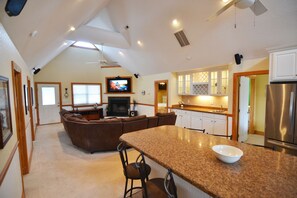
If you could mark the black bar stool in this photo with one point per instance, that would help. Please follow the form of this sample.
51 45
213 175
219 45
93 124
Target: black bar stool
130 170
156 187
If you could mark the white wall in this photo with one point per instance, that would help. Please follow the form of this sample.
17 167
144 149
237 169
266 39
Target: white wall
12 184
260 102
72 66
147 84
9 53
246 65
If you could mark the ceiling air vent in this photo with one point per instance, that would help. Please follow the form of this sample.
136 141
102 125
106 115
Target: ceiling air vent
181 38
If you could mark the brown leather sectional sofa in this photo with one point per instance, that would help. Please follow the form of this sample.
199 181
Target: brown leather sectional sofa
103 134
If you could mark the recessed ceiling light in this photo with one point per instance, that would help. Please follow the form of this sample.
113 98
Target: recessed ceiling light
225 1
175 23
72 28
139 43
121 53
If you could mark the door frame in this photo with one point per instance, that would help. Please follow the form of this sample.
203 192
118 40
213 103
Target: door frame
156 85
37 100
235 101
31 109
20 116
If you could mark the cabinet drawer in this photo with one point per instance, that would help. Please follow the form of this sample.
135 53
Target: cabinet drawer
196 114
219 117
208 115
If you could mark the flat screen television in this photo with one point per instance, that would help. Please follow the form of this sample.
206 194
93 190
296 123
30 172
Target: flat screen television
119 85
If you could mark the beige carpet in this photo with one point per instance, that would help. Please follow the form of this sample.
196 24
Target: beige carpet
59 169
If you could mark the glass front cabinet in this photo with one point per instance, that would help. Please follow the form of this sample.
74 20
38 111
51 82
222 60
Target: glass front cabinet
184 84
203 83
219 82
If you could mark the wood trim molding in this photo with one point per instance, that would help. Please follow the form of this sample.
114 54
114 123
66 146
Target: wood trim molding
36 97
30 109
8 162
143 104
236 77
156 85
111 66
113 77
20 118
31 156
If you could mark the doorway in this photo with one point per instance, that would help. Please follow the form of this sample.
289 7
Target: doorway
30 103
48 101
249 99
20 116
161 96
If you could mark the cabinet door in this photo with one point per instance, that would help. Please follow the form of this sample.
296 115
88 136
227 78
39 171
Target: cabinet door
284 65
178 121
207 124
224 82
186 119
219 127
196 122
214 83
180 84
187 84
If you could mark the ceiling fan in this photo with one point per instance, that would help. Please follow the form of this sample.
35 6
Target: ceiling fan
102 60
255 5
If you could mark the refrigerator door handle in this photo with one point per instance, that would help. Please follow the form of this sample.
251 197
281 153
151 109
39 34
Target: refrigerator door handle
292 107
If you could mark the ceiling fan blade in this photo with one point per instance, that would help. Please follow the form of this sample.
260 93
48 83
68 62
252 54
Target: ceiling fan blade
258 8
223 9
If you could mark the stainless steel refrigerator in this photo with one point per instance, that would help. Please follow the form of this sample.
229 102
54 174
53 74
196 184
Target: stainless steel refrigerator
281 119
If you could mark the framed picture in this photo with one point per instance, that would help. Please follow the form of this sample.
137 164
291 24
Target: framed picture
5 112
26 99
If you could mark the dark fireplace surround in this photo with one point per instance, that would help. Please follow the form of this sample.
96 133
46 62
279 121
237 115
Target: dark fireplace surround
118 106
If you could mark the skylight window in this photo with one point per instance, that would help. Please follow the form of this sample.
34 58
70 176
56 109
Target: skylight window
84 45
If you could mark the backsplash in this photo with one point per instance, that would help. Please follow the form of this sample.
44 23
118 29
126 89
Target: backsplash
207 101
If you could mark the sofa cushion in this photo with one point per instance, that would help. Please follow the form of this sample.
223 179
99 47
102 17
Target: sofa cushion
108 120
133 118
63 112
77 119
165 114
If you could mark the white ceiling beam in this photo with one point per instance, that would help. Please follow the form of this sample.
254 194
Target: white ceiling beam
99 36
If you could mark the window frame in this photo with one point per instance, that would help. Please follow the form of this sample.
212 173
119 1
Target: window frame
87 105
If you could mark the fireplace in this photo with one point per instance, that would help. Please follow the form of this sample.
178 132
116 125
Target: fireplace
118 106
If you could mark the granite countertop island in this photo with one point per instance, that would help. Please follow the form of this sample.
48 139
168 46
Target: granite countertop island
259 173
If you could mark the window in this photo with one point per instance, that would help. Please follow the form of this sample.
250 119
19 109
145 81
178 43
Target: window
48 96
84 94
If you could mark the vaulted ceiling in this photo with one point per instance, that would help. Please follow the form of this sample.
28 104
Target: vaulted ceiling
42 31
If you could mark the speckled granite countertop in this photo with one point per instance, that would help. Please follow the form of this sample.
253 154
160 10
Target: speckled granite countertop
203 109
259 173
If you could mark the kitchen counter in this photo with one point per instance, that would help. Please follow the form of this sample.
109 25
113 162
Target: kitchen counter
259 173
203 109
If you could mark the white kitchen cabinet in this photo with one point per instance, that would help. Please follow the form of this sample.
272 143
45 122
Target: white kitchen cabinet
219 82
283 65
214 124
184 84
196 120
183 118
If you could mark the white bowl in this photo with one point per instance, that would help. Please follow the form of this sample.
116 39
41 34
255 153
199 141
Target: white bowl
226 153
